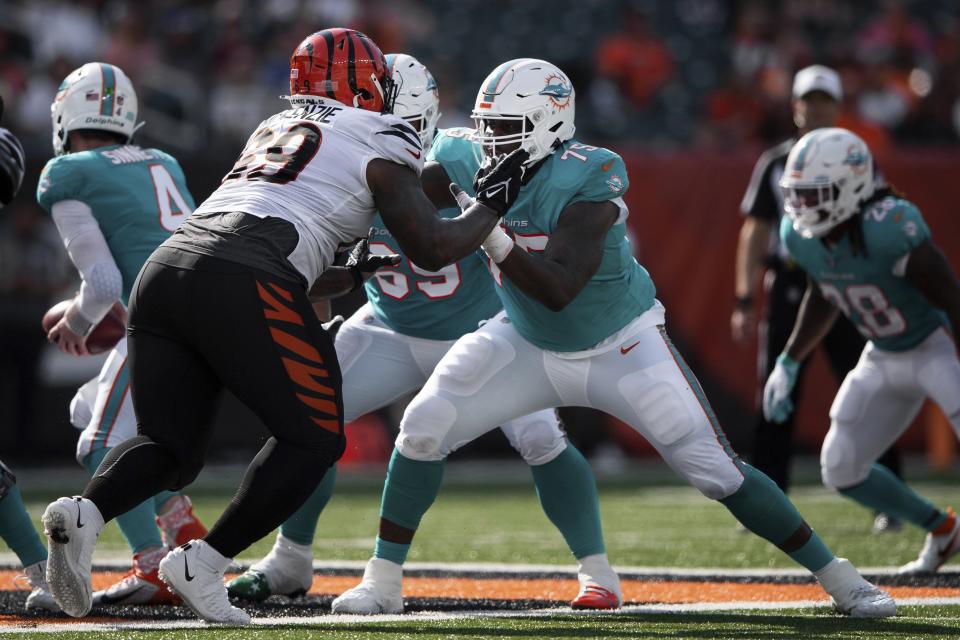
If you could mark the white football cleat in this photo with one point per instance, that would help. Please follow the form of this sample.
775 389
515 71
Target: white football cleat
599 584
195 573
378 592
40 598
72 526
287 571
852 595
940 546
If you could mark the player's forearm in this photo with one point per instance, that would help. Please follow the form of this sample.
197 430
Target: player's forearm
546 281
816 317
332 283
102 282
446 241
751 250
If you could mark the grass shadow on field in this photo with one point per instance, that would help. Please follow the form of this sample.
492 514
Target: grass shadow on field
714 626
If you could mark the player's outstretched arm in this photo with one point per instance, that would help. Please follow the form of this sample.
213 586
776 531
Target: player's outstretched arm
427 240
929 271
814 320
436 184
571 257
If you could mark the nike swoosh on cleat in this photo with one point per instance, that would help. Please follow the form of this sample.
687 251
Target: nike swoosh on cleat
944 555
105 599
80 525
626 350
186 570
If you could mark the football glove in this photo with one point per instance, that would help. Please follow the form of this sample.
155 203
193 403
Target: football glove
497 182
777 405
362 264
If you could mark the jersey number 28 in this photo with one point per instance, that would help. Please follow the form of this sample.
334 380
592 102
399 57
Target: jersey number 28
877 318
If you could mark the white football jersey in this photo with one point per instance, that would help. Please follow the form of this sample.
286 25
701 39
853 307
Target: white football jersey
308 165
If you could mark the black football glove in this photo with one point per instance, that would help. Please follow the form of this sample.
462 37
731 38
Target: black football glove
497 182
363 264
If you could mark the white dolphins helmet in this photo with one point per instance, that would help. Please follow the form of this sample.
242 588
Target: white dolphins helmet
417 99
534 93
828 175
95 96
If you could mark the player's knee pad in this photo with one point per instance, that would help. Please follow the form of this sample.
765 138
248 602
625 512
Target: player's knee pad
705 464
81 406
471 363
425 426
663 402
7 480
840 465
537 437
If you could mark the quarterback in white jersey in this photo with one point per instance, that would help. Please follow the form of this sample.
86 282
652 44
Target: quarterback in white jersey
223 304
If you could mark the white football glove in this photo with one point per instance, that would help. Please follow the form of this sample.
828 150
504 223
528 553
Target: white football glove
777 405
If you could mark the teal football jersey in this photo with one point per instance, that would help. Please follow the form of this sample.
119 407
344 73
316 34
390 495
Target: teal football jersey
137 196
617 293
887 309
434 305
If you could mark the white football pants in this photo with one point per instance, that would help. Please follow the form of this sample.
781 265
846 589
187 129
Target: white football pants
102 407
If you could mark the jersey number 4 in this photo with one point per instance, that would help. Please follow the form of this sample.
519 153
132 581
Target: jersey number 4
277 156
877 318
171 204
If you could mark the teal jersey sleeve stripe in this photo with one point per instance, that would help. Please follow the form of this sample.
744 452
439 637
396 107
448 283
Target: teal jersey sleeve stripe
108 90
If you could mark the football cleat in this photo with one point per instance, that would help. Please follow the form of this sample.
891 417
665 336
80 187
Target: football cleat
177 524
286 571
40 598
599 584
941 544
195 573
141 585
72 526
378 592
851 594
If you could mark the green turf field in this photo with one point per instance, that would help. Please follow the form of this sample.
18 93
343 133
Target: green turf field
645 524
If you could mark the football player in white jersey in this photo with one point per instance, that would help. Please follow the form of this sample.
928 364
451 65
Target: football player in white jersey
224 304
390 346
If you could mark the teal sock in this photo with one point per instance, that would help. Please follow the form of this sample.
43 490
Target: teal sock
138 525
568 495
17 529
392 551
301 527
410 489
161 499
883 491
764 509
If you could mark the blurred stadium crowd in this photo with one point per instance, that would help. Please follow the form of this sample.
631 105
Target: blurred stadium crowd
655 76
700 73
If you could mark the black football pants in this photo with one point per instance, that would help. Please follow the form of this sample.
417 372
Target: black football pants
221 325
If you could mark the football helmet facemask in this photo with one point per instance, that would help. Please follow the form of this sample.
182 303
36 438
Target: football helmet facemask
417 99
95 96
534 102
828 176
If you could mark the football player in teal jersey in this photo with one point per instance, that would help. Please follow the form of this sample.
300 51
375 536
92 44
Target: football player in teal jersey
580 327
869 255
16 527
113 203
390 346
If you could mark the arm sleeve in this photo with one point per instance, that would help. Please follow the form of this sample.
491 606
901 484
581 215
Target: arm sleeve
102 282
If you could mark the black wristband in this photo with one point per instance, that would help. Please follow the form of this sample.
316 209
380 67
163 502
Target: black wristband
357 278
744 302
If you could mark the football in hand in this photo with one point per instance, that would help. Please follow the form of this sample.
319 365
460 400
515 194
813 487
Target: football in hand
104 336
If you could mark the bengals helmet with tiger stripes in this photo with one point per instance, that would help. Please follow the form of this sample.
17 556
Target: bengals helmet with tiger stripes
343 65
